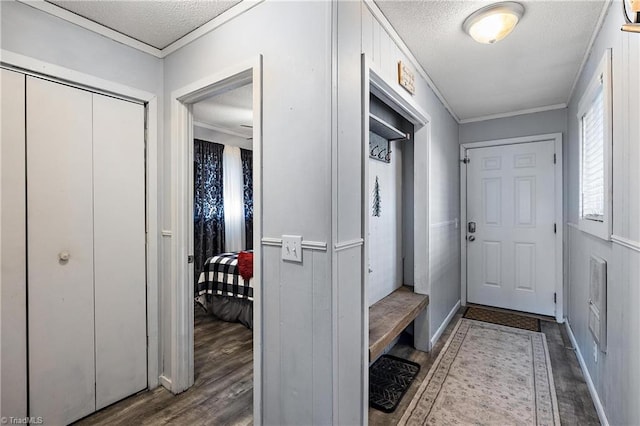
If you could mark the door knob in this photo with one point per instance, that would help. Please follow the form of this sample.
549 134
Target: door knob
64 256
471 238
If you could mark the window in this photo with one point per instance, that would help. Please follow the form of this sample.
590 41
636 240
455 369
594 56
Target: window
594 121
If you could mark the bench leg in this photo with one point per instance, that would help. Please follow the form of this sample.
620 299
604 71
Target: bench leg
421 332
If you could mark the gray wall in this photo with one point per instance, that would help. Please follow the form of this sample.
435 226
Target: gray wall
616 374
295 41
554 121
30 32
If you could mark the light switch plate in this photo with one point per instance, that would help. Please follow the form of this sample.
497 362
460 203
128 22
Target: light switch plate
292 248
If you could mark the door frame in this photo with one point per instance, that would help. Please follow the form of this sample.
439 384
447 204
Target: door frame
59 74
181 330
558 209
373 82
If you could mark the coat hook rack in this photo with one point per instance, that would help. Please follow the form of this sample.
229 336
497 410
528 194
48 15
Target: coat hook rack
632 23
379 148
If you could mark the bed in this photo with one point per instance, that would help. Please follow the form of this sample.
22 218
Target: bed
224 292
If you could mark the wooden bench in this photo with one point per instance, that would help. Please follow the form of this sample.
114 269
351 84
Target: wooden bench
389 316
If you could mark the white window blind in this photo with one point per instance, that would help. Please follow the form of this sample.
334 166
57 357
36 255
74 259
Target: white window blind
593 139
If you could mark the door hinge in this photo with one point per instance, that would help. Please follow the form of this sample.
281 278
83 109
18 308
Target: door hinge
555 228
466 160
555 298
554 159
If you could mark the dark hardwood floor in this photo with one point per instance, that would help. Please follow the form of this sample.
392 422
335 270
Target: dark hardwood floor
574 401
221 395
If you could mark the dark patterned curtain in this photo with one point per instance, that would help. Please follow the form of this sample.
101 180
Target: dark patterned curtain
247 178
208 206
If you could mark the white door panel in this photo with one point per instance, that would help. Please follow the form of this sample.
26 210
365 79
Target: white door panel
60 219
119 241
511 199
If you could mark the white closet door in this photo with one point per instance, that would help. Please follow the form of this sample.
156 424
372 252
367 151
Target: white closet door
13 392
119 214
60 222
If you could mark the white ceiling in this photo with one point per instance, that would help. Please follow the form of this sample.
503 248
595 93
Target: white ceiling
153 22
534 67
227 114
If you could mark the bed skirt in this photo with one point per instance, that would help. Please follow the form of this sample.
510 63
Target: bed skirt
231 309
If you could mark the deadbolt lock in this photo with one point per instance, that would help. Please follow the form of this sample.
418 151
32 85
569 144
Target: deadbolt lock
471 226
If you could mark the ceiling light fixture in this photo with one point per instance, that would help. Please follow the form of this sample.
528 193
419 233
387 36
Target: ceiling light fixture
494 22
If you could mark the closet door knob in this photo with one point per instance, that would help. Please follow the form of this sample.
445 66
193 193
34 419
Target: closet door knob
64 256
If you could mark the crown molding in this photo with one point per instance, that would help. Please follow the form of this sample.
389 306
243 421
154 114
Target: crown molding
587 52
513 113
223 18
386 25
119 37
90 25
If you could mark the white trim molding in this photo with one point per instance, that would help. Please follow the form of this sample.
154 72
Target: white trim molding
587 52
592 388
600 80
228 15
348 244
558 216
119 37
445 323
625 242
616 239
36 67
90 25
180 334
165 382
314 245
513 113
306 244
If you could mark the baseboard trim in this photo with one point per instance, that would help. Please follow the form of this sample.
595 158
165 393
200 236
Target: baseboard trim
444 324
165 382
592 388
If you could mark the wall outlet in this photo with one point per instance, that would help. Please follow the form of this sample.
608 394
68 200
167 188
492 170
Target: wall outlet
292 248
595 352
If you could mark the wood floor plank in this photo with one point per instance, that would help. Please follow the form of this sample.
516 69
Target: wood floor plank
222 393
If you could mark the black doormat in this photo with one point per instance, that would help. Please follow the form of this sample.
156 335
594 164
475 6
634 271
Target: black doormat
502 318
389 379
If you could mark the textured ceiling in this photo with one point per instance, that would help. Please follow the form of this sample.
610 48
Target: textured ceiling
156 23
535 66
231 111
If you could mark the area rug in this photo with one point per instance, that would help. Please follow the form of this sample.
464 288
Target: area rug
389 379
502 318
487 374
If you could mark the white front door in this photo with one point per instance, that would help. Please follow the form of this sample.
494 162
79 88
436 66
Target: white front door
511 252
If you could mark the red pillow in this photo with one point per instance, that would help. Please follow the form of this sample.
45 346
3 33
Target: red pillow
245 264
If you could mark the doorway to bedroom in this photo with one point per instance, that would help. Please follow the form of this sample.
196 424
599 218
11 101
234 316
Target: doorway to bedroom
223 252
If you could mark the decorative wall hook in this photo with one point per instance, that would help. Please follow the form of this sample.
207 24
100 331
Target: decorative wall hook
631 12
